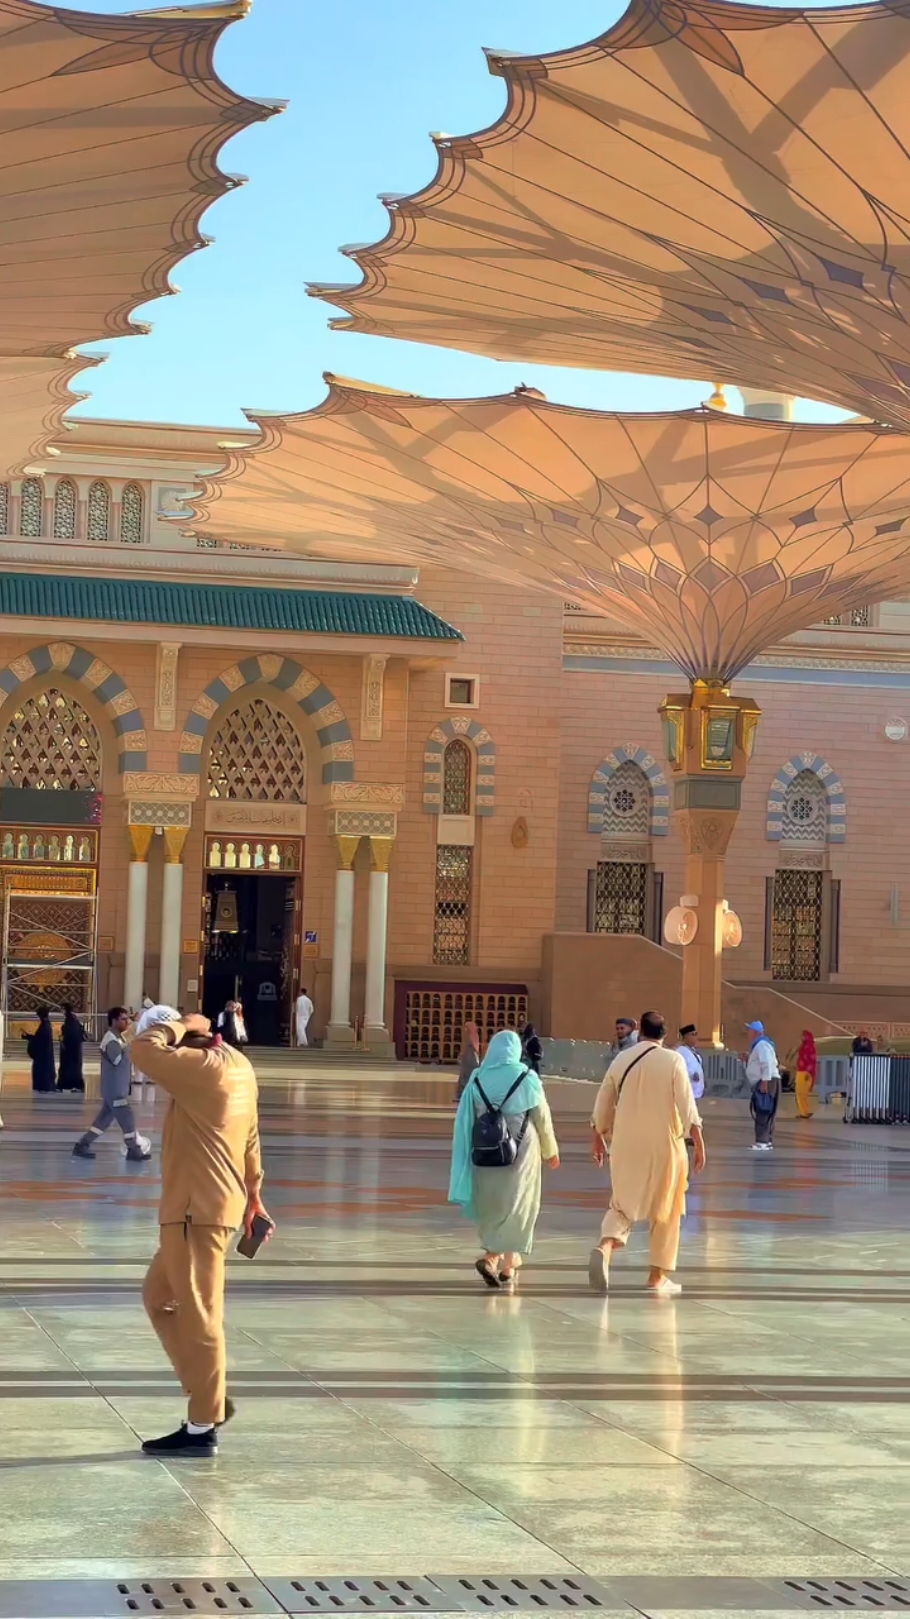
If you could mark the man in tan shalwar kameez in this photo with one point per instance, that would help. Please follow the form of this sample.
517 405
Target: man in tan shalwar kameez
644 1111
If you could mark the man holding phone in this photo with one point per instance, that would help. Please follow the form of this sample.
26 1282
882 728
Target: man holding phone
211 1175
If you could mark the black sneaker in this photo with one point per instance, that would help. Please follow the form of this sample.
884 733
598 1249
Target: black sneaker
184 1443
137 1154
83 1150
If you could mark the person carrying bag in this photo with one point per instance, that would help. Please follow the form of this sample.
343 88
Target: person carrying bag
503 1134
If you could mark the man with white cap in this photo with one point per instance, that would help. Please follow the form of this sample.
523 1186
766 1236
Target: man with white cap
211 1175
763 1074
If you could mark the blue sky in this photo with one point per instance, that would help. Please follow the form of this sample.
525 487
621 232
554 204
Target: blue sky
365 82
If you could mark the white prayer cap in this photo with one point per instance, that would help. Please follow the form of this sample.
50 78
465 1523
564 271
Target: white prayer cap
153 1015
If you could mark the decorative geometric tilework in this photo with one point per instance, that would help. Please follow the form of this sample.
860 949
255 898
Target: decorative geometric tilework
99 511
107 688
306 690
600 786
834 792
485 748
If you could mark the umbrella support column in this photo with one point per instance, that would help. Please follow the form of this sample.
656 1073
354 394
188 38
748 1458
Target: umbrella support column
709 738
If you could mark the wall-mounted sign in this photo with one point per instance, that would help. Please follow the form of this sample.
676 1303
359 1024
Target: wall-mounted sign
257 820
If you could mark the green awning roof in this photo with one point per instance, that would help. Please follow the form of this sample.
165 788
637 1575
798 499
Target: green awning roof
225 607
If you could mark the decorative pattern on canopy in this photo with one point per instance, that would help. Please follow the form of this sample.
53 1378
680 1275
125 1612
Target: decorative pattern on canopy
110 129
707 190
713 534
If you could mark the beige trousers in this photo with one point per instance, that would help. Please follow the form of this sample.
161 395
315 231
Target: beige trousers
183 1296
663 1243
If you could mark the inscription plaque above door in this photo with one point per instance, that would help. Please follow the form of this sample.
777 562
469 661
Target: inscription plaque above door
260 820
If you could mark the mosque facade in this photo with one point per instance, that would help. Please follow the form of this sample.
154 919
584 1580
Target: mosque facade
230 773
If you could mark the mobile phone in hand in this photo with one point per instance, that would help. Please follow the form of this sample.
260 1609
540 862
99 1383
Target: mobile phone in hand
252 1240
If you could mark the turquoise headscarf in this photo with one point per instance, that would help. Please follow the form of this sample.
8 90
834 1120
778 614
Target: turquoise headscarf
499 1070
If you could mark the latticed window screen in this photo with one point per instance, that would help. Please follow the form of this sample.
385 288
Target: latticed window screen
131 515
452 925
620 897
456 779
4 508
99 511
51 742
858 618
796 925
31 508
65 510
257 755
805 817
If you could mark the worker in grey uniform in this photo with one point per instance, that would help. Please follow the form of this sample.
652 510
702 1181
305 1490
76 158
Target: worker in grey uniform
115 1093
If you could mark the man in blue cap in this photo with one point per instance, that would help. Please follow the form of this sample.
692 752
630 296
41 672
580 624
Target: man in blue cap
763 1074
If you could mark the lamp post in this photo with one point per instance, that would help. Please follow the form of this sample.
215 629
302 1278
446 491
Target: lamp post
709 736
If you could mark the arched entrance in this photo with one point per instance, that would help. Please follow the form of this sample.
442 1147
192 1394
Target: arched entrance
256 783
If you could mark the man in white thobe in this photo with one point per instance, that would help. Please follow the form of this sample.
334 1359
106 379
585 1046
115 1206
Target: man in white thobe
303 1011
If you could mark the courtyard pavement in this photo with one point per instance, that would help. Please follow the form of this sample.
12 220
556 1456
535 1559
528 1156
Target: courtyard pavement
395 1419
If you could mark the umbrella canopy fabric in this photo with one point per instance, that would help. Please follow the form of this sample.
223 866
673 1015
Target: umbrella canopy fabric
110 130
714 535
708 190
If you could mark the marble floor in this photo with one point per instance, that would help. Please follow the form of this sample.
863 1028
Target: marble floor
397 1419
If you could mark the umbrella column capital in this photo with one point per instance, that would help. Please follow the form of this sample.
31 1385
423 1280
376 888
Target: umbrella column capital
709 737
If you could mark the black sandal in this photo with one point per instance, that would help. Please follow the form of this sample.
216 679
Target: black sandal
486 1273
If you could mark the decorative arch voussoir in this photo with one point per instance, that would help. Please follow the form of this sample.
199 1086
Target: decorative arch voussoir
837 802
485 748
600 785
336 744
107 687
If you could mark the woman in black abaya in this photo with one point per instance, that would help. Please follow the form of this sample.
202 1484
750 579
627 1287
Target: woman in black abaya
40 1047
72 1036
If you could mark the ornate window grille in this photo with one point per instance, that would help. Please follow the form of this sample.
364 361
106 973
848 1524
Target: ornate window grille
796 925
4 508
805 818
620 897
31 508
456 779
99 510
65 510
51 742
257 756
452 925
131 512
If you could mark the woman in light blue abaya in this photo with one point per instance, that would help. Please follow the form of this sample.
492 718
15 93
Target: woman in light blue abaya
505 1199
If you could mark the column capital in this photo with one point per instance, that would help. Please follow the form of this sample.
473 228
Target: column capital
174 839
346 851
140 841
381 852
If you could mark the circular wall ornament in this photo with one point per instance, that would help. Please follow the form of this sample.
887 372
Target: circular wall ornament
896 729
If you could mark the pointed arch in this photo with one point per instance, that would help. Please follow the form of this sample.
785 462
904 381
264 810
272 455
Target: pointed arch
485 780
629 752
796 765
305 689
108 689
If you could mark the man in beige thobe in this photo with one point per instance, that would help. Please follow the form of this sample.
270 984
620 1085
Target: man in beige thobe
644 1111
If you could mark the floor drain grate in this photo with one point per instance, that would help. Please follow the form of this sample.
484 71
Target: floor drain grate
891 1594
500 1593
356 1595
205 1598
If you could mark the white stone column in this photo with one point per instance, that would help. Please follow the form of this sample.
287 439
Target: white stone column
340 1032
376 1031
171 916
136 909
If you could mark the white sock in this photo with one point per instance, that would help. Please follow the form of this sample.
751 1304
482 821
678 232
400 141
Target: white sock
199 1427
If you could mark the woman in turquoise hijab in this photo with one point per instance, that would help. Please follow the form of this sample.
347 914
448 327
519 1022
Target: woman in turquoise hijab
504 1201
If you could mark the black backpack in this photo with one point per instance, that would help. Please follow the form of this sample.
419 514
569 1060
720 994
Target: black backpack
493 1145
